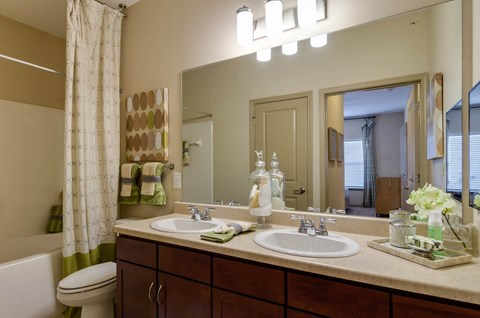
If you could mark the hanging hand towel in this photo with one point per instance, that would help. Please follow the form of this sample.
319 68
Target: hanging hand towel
186 154
152 188
129 188
55 222
225 233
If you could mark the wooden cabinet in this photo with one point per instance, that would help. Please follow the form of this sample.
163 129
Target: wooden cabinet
230 305
408 307
136 286
165 281
180 297
334 299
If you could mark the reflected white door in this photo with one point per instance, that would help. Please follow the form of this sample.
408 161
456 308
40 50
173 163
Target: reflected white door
281 126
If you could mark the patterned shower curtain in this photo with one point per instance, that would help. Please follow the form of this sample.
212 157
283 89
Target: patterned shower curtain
368 163
92 134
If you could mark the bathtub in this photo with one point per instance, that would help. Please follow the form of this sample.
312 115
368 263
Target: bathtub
30 269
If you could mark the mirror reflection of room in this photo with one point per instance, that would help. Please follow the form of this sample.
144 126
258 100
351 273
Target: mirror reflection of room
373 123
474 144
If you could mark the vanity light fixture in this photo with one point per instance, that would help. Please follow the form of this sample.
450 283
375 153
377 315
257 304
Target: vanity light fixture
274 17
264 55
319 40
306 13
244 26
290 48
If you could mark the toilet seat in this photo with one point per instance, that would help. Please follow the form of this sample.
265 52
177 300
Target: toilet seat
86 288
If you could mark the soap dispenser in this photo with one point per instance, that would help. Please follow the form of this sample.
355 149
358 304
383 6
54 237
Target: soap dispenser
260 198
278 184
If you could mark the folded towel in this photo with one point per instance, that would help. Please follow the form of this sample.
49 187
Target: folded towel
129 189
225 233
55 221
152 188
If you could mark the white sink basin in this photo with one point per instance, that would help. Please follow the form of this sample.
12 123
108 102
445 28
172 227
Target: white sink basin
289 241
185 225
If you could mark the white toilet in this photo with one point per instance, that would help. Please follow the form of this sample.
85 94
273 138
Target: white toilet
92 288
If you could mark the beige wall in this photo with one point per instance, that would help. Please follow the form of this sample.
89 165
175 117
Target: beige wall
446 57
31 127
24 83
31 167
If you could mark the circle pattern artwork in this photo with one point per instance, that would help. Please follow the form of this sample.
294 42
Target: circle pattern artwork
147 126
136 102
129 104
143 100
151 99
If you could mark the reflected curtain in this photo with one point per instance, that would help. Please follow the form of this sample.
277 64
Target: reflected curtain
92 134
368 163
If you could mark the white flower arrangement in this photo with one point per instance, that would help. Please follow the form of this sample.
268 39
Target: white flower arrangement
476 200
431 198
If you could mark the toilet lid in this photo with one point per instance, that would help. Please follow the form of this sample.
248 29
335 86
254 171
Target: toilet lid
89 276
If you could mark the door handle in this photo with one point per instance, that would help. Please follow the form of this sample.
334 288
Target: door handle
161 294
150 291
406 188
299 191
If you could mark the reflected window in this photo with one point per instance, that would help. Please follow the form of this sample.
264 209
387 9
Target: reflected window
454 163
475 162
353 164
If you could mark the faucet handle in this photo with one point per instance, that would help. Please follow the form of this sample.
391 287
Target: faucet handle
194 212
312 209
322 227
305 225
206 216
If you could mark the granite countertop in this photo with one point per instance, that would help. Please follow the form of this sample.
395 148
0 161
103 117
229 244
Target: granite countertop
370 266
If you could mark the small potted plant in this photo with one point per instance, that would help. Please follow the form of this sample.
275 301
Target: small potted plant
431 198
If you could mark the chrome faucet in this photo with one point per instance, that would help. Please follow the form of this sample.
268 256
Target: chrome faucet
322 227
198 216
308 227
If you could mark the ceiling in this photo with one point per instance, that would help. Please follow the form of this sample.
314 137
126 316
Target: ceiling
46 15
375 102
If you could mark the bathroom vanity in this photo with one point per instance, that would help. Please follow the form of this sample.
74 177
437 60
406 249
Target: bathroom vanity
178 275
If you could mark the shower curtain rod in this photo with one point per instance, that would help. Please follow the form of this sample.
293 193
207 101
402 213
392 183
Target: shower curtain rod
198 112
121 7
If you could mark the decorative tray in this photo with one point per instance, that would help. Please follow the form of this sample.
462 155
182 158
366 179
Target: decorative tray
435 260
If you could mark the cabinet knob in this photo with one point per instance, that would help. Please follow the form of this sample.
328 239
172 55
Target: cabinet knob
150 292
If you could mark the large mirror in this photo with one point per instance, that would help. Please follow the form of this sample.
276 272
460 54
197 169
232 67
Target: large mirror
453 148
230 104
474 139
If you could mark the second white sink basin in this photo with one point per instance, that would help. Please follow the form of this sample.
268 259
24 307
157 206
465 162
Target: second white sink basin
289 241
185 225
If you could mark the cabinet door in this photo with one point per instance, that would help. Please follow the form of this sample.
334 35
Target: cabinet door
230 305
406 307
298 314
178 297
136 287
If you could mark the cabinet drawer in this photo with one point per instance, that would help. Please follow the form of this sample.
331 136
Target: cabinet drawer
185 263
230 305
405 307
334 299
136 251
254 280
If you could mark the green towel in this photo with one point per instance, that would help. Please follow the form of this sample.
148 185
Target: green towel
158 197
225 237
133 198
55 222
218 237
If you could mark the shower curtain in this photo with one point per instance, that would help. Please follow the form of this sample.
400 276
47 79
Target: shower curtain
368 163
92 134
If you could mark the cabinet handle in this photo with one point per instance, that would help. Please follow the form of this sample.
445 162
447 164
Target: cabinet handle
150 292
160 298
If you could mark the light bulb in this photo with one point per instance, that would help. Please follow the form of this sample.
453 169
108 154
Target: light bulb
289 48
264 55
306 12
274 17
318 40
244 26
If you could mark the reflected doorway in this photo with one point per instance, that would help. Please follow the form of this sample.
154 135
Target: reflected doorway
378 127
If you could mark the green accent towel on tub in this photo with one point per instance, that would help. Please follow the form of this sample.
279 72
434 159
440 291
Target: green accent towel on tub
55 221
